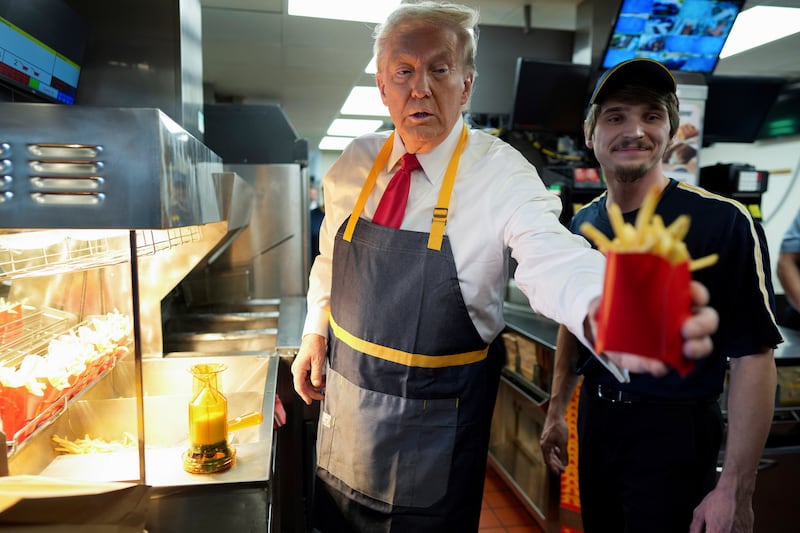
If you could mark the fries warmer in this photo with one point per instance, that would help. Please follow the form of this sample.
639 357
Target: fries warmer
104 211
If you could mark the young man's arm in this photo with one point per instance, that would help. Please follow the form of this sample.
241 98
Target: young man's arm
565 380
751 404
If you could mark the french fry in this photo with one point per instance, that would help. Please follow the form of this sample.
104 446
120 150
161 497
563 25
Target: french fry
679 227
648 234
647 238
658 224
615 217
90 445
648 209
662 245
678 252
602 242
628 237
703 262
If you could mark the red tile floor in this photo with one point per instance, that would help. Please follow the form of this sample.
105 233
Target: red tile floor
502 512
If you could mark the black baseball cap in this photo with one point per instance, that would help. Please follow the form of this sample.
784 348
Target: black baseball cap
639 71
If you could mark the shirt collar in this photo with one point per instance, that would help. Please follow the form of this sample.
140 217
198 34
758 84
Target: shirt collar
434 163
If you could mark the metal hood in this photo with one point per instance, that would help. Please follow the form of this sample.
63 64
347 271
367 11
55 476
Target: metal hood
102 167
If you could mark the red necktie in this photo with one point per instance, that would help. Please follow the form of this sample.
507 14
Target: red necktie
392 206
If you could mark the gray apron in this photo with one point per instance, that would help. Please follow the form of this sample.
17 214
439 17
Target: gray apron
410 384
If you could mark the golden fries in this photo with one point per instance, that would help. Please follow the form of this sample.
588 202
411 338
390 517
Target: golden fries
648 235
703 262
90 445
647 209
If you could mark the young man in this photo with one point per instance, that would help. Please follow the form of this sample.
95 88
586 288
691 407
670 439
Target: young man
648 448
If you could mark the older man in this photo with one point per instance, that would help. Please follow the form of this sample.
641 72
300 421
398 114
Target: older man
406 296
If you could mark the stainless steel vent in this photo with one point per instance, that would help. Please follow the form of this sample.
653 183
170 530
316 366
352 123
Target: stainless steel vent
102 167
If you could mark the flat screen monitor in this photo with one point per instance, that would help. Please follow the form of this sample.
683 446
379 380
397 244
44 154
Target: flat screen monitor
783 119
41 48
550 96
736 107
684 35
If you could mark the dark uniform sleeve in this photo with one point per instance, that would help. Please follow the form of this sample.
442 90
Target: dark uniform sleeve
740 285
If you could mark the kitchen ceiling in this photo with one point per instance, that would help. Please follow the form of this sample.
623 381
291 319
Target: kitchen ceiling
253 52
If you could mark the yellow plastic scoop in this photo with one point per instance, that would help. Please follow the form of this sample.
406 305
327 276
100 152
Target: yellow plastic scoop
245 421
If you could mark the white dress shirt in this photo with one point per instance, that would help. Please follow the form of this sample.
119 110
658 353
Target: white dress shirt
498 203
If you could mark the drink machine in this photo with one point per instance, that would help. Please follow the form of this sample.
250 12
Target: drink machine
742 182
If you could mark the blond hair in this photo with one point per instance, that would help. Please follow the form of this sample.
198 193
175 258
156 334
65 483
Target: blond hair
461 19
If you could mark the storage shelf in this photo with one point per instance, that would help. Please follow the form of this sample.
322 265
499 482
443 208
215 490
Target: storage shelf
31 332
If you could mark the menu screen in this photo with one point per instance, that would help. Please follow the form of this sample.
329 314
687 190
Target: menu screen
42 43
684 35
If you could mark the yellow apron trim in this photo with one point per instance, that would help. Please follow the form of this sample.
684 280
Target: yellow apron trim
405 358
439 212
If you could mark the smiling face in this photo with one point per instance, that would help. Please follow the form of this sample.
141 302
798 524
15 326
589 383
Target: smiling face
629 139
424 83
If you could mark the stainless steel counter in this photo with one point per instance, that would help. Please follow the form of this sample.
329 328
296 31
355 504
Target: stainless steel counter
524 321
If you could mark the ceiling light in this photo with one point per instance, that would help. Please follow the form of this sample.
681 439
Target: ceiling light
353 127
372 66
334 143
365 101
749 29
358 10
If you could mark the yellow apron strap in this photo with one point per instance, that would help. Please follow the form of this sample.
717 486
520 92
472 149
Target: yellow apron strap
440 211
380 162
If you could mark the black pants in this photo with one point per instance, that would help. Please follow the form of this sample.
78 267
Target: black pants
644 467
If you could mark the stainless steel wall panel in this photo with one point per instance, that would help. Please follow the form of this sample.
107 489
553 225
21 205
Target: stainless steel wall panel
144 53
272 245
266 259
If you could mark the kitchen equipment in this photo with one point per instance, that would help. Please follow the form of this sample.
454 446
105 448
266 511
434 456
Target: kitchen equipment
209 448
131 204
208 423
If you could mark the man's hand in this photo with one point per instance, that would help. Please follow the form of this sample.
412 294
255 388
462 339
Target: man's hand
554 443
697 331
307 368
720 512
699 327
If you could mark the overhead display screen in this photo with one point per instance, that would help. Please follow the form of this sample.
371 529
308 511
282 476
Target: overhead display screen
684 35
729 92
550 96
41 48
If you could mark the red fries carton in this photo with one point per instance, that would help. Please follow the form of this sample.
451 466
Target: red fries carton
646 299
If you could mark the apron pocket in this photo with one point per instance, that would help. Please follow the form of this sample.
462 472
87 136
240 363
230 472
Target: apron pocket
393 449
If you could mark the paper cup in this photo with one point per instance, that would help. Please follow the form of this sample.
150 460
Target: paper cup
18 406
